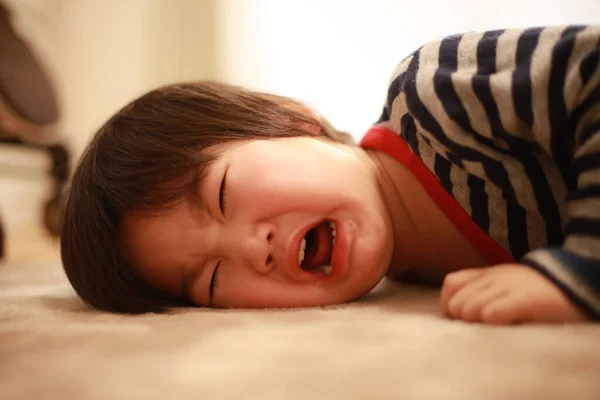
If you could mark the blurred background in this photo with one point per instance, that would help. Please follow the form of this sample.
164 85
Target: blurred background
335 55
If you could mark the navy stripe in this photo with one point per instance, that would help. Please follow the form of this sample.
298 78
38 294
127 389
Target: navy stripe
444 88
586 163
408 131
385 116
587 192
486 66
557 109
515 214
521 83
517 230
429 123
486 52
585 105
394 90
454 159
442 167
583 226
448 53
588 132
589 64
546 202
478 198
426 140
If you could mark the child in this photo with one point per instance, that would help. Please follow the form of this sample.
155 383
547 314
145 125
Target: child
483 173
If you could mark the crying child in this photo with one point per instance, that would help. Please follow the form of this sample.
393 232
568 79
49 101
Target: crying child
481 175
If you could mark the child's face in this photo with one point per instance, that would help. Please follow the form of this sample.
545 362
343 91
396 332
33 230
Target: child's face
276 191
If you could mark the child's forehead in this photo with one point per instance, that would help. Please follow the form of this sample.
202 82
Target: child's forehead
232 144
218 149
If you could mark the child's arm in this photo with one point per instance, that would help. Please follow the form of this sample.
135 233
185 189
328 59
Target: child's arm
515 115
569 83
575 146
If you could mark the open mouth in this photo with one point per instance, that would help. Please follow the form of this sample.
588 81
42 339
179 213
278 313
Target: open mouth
317 247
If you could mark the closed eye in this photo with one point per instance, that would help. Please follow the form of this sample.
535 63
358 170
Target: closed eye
213 284
223 194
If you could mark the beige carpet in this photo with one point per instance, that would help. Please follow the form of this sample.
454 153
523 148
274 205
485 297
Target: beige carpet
391 345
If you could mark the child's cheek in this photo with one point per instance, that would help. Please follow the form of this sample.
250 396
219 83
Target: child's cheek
284 187
277 196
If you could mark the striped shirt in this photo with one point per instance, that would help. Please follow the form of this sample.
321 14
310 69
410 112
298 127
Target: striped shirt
508 121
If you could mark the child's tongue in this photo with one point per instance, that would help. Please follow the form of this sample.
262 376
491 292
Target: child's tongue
319 251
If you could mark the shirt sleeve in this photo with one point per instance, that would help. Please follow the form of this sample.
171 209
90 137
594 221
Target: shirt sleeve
574 144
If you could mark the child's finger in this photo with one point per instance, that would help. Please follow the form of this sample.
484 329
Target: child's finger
471 310
502 311
454 282
464 295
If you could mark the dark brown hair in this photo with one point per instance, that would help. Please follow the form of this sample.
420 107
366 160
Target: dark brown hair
146 158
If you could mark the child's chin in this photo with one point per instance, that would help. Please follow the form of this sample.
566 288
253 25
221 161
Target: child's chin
375 258
365 282
375 270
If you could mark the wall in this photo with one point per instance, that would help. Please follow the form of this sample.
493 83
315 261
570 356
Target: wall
102 53
116 50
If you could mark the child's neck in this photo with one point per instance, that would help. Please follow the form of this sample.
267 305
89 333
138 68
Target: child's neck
426 243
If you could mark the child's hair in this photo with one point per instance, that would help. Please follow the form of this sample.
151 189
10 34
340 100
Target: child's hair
145 159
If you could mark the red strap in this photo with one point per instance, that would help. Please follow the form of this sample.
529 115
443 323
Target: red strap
385 140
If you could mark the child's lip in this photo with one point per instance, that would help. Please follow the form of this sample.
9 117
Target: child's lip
337 254
293 264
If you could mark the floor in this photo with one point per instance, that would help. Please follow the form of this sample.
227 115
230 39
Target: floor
392 344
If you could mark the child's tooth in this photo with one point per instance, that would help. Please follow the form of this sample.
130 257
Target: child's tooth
326 269
300 257
332 226
303 245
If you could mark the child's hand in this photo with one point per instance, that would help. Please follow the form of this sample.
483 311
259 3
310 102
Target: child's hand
505 294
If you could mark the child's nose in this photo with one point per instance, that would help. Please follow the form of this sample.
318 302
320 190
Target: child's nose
257 248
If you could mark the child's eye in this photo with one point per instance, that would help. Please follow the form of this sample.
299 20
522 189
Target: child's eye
213 283
223 194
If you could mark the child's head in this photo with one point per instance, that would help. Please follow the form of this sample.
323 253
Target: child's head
197 177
